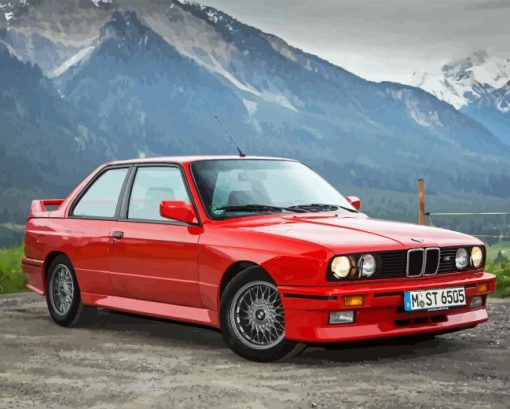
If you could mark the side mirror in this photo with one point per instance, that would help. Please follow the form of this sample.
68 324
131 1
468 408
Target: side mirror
177 210
354 201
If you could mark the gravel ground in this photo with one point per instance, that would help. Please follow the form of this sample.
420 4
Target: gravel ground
120 361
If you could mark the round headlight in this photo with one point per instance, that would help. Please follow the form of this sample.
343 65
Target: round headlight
341 266
366 265
461 258
476 257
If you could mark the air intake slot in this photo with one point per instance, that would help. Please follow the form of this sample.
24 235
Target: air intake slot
415 262
432 261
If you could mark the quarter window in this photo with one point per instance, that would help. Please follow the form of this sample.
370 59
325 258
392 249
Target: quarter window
151 186
101 198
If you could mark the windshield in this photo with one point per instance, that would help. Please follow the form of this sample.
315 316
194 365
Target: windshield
233 188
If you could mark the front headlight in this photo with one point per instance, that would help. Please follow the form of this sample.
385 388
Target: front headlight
476 257
461 258
366 265
341 266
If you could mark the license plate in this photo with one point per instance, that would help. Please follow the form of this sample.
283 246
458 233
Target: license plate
434 299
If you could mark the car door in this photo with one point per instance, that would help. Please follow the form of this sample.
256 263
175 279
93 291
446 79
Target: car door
153 258
87 229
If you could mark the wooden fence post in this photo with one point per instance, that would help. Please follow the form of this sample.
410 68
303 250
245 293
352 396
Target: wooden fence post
421 199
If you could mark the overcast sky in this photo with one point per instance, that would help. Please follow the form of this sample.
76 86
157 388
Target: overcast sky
382 39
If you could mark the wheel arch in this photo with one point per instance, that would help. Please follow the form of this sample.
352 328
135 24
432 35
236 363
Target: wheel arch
48 260
235 269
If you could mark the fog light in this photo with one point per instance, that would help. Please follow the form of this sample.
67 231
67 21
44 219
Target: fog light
353 300
482 288
476 302
341 317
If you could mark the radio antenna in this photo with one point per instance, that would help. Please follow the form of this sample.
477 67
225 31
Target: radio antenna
241 153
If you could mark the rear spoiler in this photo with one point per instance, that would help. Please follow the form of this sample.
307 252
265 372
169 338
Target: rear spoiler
38 207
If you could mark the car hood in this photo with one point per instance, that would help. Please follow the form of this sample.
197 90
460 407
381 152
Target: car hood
338 232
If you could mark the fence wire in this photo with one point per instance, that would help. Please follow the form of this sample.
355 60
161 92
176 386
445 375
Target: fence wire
500 237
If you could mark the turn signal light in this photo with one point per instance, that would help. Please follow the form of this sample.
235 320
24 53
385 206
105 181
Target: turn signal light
482 287
354 300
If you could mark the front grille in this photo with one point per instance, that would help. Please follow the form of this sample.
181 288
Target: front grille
410 263
447 260
393 264
432 263
415 262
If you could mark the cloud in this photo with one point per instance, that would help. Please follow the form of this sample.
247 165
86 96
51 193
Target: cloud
382 39
490 5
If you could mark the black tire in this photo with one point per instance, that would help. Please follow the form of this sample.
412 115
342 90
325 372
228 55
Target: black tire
70 315
280 348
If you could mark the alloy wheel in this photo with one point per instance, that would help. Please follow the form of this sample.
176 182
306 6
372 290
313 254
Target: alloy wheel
257 315
61 289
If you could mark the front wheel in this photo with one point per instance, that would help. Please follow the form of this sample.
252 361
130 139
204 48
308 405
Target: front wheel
253 320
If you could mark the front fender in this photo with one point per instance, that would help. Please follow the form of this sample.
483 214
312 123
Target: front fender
285 260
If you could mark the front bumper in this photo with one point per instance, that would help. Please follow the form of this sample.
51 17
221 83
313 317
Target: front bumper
382 314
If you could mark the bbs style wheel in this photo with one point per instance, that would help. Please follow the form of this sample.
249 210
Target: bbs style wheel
256 315
253 319
63 293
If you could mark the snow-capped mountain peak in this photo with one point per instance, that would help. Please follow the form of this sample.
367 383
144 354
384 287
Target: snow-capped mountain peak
465 80
102 3
12 9
479 67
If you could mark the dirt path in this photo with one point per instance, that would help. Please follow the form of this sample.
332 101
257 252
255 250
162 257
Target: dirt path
118 361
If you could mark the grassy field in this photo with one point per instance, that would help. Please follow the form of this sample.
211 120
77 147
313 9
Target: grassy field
503 246
502 272
11 276
13 280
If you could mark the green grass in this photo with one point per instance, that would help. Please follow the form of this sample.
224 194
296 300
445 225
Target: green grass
502 245
12 278
502 272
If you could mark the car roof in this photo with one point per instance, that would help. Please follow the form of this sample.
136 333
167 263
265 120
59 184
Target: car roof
190 158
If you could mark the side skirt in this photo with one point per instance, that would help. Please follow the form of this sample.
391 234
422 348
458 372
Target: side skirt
153 309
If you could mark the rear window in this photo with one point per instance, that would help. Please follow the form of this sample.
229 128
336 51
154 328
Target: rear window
101 198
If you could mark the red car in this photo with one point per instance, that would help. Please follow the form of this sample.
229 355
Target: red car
262 248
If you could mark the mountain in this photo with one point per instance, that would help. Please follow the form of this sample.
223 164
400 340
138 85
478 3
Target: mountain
478 85
493 111
464 81
167 77
42 138
137 87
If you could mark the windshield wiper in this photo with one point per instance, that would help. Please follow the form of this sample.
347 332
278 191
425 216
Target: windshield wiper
258 208
320 207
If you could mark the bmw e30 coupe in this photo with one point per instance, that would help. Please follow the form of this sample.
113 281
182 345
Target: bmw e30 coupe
262 248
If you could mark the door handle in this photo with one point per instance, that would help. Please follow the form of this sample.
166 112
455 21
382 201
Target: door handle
117 235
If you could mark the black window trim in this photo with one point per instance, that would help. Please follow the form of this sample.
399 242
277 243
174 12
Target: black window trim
89 185
126 195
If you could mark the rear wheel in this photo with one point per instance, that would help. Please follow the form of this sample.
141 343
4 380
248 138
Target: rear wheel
63 293
253 319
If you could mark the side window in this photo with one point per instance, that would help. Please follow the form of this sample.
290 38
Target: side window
101 198
151 186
